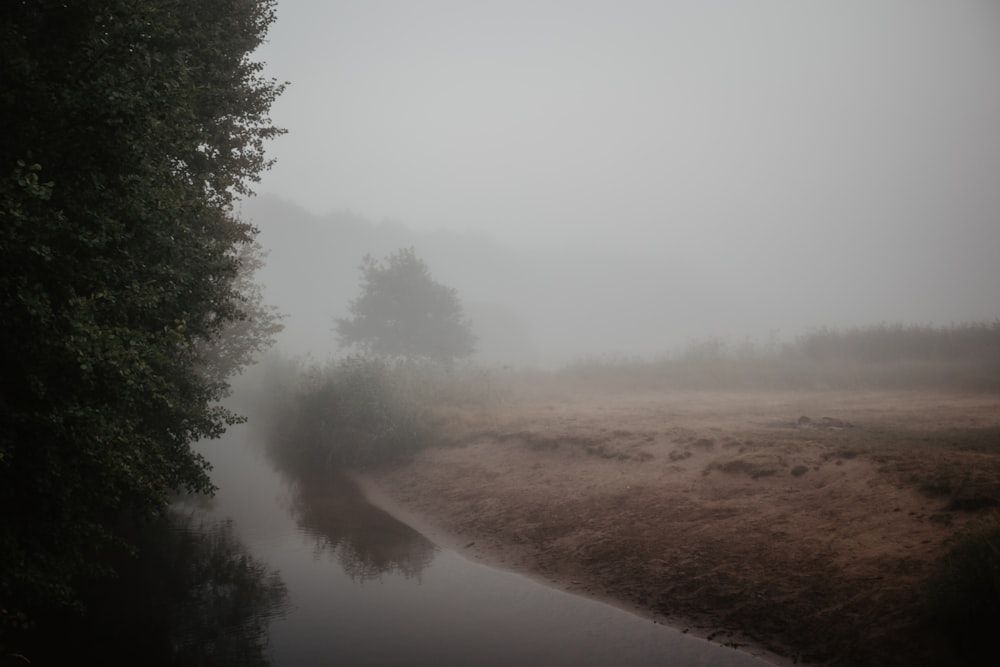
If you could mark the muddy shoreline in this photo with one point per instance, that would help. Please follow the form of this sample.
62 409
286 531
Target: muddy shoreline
795 527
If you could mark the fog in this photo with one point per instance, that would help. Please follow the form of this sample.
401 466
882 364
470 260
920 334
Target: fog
625 177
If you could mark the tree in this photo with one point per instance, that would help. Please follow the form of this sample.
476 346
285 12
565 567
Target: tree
129 128
254 327
403 312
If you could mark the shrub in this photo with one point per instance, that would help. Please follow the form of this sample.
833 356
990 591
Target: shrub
357 411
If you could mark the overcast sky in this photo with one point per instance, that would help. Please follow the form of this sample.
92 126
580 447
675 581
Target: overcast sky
799 147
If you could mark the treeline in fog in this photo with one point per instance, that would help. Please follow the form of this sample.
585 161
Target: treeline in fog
962 356
896 342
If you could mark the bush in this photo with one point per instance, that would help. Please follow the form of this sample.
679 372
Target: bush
357 411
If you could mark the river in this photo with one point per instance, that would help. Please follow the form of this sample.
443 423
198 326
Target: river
364 589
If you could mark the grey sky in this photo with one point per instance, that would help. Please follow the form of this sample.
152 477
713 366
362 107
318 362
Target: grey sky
807 150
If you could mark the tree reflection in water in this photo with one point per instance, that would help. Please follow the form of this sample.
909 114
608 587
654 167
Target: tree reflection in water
366 541
192 596
230 599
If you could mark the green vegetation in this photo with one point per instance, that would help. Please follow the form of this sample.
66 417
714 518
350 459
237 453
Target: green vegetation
357 411
240 340
129 130
360 411
964 599
960 357
404 313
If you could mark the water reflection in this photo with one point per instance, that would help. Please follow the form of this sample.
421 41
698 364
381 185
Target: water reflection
193 595
363 539
365 590
228 601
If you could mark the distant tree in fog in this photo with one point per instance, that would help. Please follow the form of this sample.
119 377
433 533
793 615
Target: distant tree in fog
403 312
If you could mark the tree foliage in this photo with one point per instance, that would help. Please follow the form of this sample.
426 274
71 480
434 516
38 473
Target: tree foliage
403 312
129 127
254 326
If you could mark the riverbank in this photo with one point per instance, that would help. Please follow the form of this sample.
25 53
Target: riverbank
801 527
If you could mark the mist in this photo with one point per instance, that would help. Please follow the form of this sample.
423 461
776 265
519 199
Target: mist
620 178
532 307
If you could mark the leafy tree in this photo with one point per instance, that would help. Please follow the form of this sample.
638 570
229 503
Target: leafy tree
129 128
255 326
403 312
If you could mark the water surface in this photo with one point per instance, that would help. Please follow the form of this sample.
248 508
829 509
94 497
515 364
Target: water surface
363 588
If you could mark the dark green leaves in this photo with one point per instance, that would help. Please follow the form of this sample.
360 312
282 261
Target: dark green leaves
129 128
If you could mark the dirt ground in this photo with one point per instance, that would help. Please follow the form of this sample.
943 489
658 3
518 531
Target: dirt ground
801 527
